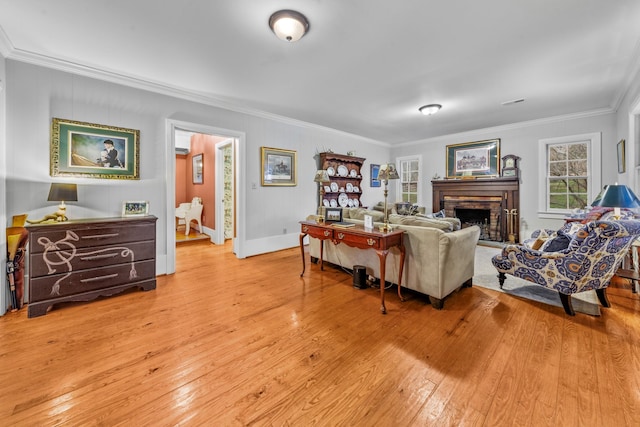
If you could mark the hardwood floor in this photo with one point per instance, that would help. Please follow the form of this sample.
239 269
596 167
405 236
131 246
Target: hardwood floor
248 342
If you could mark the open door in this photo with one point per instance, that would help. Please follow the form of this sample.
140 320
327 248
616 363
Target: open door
225 191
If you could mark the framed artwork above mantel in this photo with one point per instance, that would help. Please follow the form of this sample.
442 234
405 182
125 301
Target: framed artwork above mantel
474 159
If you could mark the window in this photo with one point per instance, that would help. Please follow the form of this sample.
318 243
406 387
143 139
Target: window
569 176
409 171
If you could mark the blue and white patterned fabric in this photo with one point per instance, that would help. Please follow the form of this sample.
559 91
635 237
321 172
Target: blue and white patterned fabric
590 261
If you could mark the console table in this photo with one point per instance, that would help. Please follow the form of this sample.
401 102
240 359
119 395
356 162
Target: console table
80 260
360 238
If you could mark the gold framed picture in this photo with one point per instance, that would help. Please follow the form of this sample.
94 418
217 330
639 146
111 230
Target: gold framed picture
94 151
278 167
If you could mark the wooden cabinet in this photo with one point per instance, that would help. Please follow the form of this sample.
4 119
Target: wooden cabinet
81 260
345 173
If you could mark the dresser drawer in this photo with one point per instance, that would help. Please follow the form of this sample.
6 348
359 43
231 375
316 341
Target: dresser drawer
83 237
64 284
67 258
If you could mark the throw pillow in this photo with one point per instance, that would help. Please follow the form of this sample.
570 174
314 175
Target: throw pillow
558 243
538 244
439 214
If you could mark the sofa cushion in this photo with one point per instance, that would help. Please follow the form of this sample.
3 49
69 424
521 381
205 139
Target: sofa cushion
420 222
359 213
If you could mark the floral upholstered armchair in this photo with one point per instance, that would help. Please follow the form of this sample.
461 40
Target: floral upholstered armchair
588 262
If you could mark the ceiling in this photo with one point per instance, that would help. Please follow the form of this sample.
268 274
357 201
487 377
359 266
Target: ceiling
364 67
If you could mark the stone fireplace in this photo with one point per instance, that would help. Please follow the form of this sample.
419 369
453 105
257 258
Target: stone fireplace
481 202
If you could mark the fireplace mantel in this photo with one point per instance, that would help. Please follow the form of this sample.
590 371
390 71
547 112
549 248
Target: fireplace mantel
506 189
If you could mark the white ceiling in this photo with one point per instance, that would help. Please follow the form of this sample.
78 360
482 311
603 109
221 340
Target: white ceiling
364 67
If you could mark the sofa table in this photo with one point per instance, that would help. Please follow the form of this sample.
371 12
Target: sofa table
360 238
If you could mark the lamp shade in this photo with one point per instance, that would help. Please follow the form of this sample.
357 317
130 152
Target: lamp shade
388 172
321 176
617 196
63 193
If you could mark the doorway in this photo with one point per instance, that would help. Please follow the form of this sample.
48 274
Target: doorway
227 152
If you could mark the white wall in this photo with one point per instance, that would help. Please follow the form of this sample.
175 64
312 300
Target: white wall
521 140
35 94
3 168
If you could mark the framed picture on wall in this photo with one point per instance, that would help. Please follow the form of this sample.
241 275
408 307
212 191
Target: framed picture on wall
478 158
375 170
197 166
622 163
278 167
93 151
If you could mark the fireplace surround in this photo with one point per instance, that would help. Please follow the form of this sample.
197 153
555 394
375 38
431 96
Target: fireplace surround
482 202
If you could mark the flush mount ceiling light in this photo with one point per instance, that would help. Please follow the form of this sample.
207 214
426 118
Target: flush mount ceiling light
289 25
430 109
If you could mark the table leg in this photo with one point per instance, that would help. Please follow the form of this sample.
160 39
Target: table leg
302 236
383 264
321 254
400 274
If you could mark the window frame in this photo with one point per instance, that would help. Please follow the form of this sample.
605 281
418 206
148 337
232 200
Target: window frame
399 161
594 172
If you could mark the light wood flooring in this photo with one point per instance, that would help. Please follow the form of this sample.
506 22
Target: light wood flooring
227 342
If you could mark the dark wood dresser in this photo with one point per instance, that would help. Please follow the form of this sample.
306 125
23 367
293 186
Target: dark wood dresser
81 260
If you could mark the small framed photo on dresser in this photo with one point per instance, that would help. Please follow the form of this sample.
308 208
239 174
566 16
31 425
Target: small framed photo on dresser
139 208
332 215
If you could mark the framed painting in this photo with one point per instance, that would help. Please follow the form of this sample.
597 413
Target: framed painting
474 159
622 162
197 167
278 167
139 208
94 151
375 170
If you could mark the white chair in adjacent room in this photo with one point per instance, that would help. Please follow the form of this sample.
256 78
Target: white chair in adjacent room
188 212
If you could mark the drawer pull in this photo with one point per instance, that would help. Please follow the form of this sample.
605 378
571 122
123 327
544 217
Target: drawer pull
95 279
371 242
305 229
340 236
91 258
100 236
327 233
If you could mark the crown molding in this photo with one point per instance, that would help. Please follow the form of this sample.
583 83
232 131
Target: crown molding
6 47
517 125
164 89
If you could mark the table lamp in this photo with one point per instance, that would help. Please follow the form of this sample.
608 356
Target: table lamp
386 173
616 197
60 192
322 177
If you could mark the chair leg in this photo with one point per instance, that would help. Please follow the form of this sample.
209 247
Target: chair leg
566 303
602 297
501 277
187 228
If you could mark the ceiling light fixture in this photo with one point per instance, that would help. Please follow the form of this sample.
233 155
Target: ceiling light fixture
430 109
289 25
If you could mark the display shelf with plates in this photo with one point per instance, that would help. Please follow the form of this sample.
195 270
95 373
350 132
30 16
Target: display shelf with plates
345 174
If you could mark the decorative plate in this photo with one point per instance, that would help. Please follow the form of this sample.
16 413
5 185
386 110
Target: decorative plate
356 203
349 187
356 189
343 200
353 173
327 189
326 203
350 203
331 171
334 187
334 204
342 170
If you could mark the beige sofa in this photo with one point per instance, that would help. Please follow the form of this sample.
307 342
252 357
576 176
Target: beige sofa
437 262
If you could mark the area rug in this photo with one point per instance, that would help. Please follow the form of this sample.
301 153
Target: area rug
486 276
